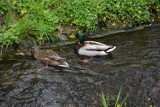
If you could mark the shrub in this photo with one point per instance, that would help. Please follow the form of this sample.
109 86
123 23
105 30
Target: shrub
3 7
42 15
35 18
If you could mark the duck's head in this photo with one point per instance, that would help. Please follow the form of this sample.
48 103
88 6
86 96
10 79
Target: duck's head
34 49
81 37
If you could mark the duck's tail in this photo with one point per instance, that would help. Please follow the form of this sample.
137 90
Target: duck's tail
111 48
65 65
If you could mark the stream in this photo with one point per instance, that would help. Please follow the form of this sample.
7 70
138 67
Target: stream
134 66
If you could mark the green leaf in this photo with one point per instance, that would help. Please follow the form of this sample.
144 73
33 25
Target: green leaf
104 100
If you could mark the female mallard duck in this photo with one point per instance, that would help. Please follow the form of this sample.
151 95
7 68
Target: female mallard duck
48 57
91 48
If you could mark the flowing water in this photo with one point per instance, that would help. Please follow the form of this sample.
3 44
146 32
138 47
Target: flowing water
134 66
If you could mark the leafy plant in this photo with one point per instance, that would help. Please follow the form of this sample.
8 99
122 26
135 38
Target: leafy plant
36 18
43 16
82 14
3 7
13 33
86 14
117 100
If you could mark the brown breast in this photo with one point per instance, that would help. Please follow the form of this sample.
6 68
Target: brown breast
77 47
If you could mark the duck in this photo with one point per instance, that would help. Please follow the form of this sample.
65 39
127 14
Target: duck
91 48
48 57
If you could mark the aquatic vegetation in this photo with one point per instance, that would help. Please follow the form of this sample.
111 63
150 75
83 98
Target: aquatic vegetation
117 100
104 102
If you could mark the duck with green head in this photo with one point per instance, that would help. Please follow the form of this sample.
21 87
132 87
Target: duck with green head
91 48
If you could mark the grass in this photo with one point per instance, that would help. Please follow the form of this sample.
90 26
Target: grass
117 101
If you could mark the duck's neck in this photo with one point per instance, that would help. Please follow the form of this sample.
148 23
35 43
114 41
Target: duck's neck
35 49
81 38
81 41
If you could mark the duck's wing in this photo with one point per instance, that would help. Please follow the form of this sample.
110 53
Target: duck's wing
53 55
92 45
40 56
60 63
56 60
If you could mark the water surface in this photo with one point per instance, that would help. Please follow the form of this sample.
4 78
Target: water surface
134 66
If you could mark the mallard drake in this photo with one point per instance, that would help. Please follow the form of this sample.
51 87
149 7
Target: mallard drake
48 57
91 48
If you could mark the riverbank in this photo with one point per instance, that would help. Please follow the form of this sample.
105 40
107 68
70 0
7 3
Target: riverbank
29 22
23 49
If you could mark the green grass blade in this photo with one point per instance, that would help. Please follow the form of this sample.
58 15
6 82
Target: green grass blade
125 99
118 97
104 100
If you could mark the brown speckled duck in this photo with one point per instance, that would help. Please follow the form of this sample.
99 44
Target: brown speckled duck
48 57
